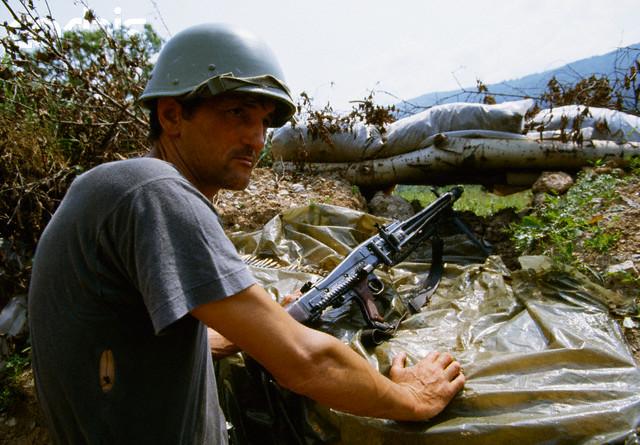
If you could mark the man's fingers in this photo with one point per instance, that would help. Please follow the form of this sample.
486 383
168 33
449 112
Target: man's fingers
434 381
398 362
450 367
445 359
453 370
432 357
458 381
293 296
443 363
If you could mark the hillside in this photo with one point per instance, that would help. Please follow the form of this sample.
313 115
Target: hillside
532 85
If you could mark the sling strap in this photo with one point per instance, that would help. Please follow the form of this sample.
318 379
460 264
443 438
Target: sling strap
375 336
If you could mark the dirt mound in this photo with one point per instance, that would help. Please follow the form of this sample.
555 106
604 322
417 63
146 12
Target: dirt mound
269 194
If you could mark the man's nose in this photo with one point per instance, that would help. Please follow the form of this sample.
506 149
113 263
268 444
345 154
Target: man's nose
255 136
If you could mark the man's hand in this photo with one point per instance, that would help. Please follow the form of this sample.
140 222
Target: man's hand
293 296
434 381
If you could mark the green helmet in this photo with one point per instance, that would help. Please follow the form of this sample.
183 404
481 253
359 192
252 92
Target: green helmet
209 59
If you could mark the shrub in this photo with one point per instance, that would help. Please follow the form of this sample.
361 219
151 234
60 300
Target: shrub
67 103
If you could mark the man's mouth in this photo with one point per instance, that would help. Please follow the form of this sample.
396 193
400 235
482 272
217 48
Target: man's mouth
246 158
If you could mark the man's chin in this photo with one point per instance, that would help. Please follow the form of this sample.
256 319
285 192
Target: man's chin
237 184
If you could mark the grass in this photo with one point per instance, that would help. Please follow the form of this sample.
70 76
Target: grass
475 199
561 224
11 378
562 220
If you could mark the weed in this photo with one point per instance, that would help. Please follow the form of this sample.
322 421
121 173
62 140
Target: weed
629 278
597 162
601 241
265 159
633 164
11 377
556 225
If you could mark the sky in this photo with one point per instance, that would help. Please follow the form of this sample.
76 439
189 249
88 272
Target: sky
339 51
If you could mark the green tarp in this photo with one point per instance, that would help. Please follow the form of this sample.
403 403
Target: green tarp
544 361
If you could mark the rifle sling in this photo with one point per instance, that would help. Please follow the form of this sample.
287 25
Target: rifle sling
432 281
374 336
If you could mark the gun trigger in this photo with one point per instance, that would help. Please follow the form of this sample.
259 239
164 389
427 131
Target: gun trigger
366 300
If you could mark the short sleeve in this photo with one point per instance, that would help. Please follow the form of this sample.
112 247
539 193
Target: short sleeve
174 249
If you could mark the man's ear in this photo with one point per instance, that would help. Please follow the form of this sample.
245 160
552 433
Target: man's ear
170 115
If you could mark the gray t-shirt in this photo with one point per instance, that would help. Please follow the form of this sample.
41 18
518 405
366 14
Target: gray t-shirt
131 250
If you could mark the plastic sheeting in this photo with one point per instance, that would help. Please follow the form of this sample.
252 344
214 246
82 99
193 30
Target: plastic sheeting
545 363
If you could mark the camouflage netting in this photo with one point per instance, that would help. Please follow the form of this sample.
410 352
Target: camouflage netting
544 360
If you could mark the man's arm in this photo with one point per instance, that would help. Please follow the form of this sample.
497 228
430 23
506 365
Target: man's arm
322 368
220 346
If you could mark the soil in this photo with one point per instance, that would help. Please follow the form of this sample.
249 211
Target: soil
269 194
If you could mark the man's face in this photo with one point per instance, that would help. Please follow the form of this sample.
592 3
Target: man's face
221 140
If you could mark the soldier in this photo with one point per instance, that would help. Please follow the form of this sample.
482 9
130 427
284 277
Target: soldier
135 265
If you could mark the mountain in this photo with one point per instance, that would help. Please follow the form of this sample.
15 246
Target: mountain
613 65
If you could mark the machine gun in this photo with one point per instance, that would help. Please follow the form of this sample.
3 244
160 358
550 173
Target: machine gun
353 278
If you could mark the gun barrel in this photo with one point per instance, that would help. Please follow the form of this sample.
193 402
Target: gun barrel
417 224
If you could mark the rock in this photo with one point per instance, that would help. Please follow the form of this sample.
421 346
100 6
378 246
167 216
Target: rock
550 182
628 267
558 182
395 207
13 318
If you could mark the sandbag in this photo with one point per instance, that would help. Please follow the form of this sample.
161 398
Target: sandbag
359 141
592 124
409 134
405 135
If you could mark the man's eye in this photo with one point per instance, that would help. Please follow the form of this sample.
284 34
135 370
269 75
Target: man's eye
236 111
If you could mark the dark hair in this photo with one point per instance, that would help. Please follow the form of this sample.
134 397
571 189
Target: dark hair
155 129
